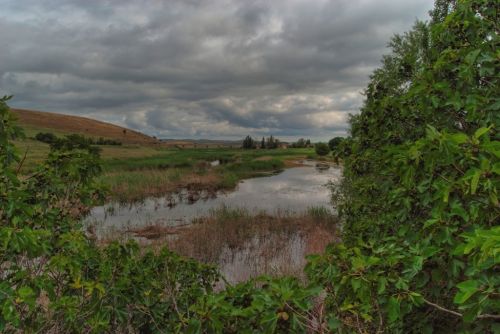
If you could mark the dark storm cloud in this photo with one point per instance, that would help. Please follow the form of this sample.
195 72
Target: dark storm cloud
218 68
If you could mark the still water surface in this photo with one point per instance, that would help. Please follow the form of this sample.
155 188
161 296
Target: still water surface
293 191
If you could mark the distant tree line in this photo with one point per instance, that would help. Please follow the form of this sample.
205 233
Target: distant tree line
266 143
249 143
269 142
50 138
333 145
302 143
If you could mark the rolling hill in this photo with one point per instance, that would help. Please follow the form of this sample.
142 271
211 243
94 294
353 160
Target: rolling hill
60 124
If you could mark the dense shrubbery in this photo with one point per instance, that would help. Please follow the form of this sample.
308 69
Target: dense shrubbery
335 142
419 198
46 137
74 139
321 149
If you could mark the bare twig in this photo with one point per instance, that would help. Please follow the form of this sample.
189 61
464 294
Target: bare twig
441 308
22 161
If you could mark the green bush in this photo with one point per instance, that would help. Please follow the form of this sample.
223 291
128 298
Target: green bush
54 278
46 137
334 143
321 149
419 198
73 139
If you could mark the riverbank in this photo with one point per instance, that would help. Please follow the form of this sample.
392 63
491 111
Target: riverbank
211 170
133 173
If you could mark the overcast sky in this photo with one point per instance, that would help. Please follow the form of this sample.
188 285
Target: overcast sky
200 68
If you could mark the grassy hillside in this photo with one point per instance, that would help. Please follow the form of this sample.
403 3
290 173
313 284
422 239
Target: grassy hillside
59 124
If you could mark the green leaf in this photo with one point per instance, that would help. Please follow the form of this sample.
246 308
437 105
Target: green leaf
481 131
492 147
393 309
494 106
430 222
458 210
475 181
356 284
471 314
416 298
466 290
435 101
25 292
382 282
459 138
471 57
496 168
194 326
334 323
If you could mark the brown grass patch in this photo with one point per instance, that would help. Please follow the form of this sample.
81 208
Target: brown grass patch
264 158
137 185
204 240
244 245
293 163
153 232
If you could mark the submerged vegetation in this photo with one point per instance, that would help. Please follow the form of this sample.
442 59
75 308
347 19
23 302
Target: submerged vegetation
419 206
247 243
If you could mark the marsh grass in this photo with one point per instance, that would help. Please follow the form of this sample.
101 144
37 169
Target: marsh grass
133 186
319 212
169 158
134 179
133 172
245 244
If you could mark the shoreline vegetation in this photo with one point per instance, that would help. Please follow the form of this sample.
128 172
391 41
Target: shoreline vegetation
134 172
254 243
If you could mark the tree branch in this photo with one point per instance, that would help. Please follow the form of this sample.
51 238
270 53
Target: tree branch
481 316
22 162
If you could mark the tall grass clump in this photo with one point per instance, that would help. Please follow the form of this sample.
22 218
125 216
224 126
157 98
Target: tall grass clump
225 213
320 213
256 166
229 180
